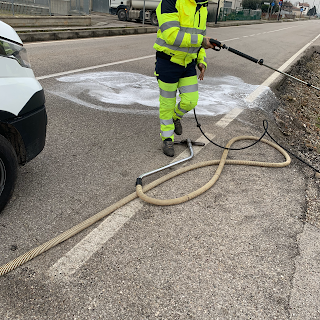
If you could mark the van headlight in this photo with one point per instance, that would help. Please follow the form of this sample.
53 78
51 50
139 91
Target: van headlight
14 51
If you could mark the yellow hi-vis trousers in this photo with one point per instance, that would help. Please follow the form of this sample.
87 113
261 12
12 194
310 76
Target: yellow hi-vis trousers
172 77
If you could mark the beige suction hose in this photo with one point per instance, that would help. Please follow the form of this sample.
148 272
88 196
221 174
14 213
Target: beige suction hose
216 176
140 191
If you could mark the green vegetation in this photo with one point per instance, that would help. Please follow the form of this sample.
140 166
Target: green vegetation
259 4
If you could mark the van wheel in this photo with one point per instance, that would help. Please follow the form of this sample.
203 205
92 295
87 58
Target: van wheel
154 19
8 171
122 15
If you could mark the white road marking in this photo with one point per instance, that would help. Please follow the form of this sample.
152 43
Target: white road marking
196 149
59 42
93 67
224 121
118 62
275 75
83 251
256 34
230 39
78 255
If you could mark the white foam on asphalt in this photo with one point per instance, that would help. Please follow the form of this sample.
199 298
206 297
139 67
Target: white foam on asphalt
110 90
106 91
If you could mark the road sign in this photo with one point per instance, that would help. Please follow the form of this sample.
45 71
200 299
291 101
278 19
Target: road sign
273 4
267 3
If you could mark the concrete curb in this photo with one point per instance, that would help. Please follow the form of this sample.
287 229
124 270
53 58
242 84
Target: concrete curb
47 21
63 35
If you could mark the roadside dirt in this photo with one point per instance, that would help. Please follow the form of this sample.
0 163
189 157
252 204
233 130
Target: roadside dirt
298 118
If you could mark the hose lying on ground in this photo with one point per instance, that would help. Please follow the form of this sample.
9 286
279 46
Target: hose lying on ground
221 163
141 193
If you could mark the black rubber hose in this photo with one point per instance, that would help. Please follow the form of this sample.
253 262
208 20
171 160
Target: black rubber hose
235 149
265 127
274 140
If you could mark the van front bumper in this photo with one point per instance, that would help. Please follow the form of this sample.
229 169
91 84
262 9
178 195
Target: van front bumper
32 127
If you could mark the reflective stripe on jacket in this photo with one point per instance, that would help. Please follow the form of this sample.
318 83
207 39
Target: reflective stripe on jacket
182 26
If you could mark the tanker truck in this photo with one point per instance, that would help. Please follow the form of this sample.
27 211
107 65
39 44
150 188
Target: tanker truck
127 10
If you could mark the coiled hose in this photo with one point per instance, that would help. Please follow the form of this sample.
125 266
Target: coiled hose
140 191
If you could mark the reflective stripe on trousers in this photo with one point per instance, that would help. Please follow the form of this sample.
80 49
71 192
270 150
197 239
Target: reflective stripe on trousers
169 110
172 76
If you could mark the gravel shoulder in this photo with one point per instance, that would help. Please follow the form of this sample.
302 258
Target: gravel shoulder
298 118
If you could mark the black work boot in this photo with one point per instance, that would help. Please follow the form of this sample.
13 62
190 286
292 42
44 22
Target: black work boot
177 127
167 147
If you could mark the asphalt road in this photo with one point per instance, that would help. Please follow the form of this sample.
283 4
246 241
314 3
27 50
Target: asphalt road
239 251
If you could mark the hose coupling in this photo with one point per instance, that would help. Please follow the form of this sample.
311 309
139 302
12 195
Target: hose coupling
139 182
194 143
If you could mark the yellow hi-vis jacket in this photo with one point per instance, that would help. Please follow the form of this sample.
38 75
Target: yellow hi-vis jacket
182 26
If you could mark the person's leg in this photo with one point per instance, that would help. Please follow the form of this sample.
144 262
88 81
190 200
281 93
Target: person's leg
168 74
188 88
167 101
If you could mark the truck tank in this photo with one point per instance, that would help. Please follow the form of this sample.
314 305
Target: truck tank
149 4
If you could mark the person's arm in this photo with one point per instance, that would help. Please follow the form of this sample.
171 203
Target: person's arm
201 59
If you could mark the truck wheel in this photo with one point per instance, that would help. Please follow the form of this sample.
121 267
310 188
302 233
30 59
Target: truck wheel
154 19
122 15
8 171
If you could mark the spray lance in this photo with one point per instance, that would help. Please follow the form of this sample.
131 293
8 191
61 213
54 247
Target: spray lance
218 45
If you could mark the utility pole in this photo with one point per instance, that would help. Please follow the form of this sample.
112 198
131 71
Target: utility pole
313 5
143 11
280 6
269 5
218 8
272 5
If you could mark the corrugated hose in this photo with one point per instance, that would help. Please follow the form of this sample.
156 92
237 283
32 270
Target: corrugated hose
140 191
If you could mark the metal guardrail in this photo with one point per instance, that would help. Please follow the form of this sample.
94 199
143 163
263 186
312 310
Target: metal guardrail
24 7
45 7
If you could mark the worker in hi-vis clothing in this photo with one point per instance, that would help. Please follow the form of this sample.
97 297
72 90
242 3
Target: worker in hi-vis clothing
180 48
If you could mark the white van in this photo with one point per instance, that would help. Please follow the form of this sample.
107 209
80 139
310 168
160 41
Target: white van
23 117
